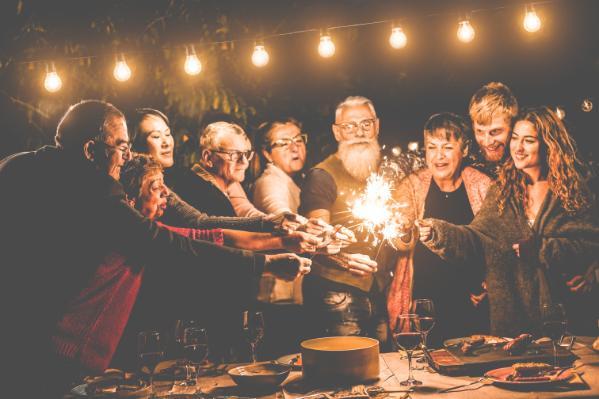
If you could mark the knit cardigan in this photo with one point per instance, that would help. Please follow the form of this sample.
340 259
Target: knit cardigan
519 286
412 192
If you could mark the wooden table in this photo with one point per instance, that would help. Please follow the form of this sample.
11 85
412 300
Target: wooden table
394 370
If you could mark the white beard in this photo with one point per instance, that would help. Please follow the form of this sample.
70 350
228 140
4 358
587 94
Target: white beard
360 157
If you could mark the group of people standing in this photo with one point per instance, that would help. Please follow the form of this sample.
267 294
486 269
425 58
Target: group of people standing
106 236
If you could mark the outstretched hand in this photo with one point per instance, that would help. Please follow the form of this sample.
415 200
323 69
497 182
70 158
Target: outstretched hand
425 229
287 266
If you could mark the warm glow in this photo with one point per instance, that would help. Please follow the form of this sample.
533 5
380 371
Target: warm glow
560 112
532 22
326 47
260 56
398 38
122 72
587 105
413 146
52 82
193 66
465 32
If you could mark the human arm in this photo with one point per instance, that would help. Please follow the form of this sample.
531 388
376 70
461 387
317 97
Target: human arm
242 205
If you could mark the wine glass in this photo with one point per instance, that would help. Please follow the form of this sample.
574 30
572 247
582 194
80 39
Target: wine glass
195 348
407 336
150 349
253 329
425 309
554 324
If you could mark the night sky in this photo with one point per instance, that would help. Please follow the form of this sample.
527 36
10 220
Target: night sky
559 65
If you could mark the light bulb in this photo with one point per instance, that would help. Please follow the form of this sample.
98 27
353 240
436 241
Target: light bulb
398 38
326 47
587 105
413 146
396 151
560 112
465 31
260 56
193 65
121 71
52 82
532 22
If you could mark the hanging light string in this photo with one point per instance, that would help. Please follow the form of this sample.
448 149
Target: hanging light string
283 34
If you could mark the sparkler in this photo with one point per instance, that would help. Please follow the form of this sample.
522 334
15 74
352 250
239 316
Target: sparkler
378 213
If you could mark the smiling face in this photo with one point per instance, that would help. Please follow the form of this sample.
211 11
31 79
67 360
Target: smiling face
222 166
444 156
525 148
492 138
286 152
159 141
153 195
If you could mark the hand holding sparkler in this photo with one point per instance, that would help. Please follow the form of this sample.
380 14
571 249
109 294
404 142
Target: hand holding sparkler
358 264
425 228
301 242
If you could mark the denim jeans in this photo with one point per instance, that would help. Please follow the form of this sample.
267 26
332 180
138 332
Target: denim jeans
345 312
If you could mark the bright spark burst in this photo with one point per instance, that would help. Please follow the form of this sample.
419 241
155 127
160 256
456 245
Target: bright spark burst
378 213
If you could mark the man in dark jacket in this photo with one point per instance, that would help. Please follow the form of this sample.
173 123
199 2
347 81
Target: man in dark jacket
62 211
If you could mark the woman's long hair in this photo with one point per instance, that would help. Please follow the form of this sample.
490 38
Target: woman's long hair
559 163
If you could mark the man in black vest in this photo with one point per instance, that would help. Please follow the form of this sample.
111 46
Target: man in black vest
344 293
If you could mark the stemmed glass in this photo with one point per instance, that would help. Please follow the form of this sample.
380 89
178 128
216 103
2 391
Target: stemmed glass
195 348
554 324
425 309
150 349
407 336
253 329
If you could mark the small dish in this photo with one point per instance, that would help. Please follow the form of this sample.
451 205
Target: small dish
500 377
294 360
260 375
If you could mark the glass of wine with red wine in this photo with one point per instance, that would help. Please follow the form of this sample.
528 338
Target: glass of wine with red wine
407 336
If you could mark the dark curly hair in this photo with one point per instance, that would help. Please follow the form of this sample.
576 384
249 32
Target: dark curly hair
134 171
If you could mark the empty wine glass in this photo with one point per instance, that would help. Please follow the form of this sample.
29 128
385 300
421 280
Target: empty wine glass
253 329
195 348
554 324
150 349
407 336
425 309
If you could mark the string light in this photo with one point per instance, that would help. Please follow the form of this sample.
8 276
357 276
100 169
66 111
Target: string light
465 31
587 105
121 71
192 66
398 38
52 82
326 47
560 112
532 22
260 56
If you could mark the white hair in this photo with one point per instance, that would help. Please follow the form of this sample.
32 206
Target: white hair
354 101
209 139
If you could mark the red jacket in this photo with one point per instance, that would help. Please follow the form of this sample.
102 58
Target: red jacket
94 321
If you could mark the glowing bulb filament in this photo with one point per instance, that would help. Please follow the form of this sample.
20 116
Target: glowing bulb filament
465 31
532 22
398 38
121 72
260 56
52 82
193 65
326 47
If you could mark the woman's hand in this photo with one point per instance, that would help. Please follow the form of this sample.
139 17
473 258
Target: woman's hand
299 241
425 229
287 266
358 264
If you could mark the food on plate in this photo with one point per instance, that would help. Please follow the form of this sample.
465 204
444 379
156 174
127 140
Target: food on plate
470 344
518 344
113 382
530 371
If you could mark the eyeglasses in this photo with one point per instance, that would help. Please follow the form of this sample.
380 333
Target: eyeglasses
124 148
236 156
367 125
286 142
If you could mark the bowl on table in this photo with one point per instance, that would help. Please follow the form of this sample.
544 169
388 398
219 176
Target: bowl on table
260 375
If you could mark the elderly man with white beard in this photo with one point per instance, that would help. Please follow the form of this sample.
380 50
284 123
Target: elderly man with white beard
343 295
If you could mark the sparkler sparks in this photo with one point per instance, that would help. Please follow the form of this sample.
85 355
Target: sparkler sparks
378 213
